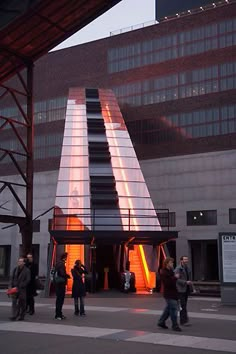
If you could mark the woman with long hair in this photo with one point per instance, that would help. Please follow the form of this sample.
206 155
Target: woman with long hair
78 287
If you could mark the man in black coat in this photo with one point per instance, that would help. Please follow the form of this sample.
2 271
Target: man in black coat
20 278
31 287
60 280
169 278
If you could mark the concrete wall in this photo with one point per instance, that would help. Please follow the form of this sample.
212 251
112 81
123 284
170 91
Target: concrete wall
194 182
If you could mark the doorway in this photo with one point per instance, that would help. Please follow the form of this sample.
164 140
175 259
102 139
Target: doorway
205 260
108 260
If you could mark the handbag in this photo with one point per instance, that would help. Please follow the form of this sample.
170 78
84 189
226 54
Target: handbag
58 279
12 291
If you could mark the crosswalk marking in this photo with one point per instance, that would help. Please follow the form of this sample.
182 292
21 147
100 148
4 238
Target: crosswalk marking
214 344
202 315
210 344
63 330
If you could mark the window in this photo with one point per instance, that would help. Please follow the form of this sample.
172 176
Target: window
202 217
167 219
232 216
5 256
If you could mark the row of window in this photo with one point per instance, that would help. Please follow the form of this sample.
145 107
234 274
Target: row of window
197 82
195 218
44 111
198 40
195 124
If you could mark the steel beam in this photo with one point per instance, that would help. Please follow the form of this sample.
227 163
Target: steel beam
26 222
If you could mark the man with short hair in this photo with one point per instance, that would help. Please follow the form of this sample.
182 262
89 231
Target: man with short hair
169 279
60 284
20 279
184 285
31 287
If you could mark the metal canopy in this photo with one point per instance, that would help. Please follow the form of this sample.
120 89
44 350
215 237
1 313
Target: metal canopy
40 27
154 238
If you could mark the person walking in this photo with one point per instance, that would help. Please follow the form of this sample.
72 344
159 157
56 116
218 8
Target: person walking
60 279
169 279
184 287
31 287
19 280
78 287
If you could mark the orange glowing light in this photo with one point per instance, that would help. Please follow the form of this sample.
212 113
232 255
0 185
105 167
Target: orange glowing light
128 194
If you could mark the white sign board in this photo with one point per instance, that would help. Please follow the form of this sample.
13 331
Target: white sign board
229 258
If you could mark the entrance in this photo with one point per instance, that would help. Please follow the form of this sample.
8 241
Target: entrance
205 260
108 260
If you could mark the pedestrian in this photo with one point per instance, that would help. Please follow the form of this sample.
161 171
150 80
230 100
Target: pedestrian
169 278
184 287
78 287
31 287
19 280
60 279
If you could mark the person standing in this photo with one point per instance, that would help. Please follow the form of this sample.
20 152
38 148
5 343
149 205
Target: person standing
184 285
19 280
78 287
60 284
169 279
31 287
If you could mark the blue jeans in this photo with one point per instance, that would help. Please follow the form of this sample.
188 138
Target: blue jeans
171 310
183 297
76 302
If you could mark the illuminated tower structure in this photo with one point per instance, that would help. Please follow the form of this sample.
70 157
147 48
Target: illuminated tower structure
101 187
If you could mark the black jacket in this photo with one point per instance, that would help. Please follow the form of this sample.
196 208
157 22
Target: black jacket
78 287
169 284
33 268
20 279
61 272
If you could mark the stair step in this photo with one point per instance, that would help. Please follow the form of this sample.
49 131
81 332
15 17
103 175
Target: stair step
136 267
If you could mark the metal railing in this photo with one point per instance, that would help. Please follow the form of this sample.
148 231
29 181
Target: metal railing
110 219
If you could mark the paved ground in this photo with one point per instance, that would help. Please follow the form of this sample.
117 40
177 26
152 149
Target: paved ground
116 323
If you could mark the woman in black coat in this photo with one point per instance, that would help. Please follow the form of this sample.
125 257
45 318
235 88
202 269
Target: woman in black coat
78 287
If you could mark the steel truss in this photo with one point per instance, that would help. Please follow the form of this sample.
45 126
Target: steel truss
23 129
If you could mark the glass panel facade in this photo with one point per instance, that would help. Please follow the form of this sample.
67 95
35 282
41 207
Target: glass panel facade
189 125
80 172
72 196
131 187
44 111
192 83
198 40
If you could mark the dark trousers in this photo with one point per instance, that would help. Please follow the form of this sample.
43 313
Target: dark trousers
171 310
183 298
60 296
79 309
19 305
30 300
